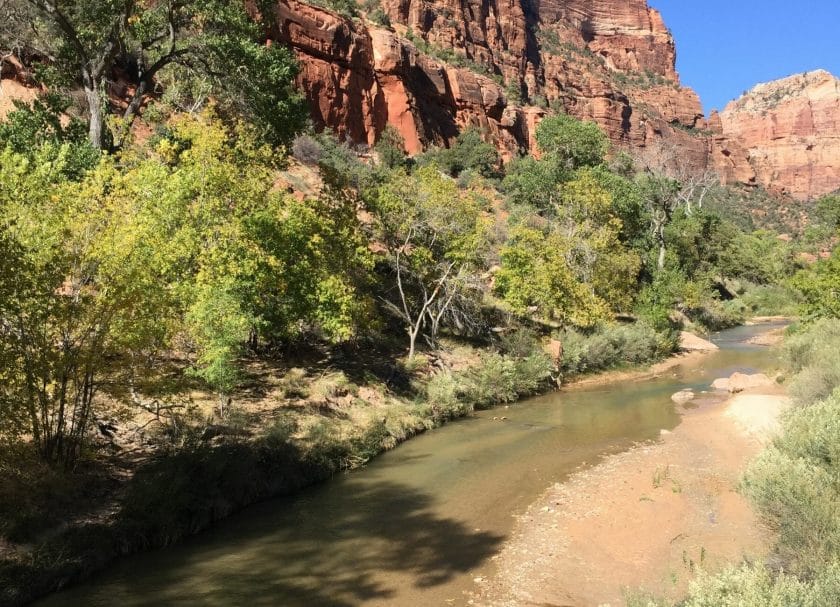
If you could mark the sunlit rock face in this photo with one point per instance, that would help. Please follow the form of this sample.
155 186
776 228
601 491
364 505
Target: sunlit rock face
443 65
789 130
446 65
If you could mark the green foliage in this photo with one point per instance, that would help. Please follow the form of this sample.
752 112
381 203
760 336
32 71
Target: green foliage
39 126
535 276
496 379
770 300
444 393
532 184
340 165
575 270
375 12
811 356
391 148
820 287
433 235
189 241
610 346
796 485
468 153
827 212
571 142
755 586
213 42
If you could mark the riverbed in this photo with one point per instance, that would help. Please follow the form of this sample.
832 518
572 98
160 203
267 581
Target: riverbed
421 523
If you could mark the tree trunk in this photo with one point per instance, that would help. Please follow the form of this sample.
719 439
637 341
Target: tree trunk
660 237
412 342
96 132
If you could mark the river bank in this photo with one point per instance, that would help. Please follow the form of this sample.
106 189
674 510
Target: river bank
219 482
309 427
644 521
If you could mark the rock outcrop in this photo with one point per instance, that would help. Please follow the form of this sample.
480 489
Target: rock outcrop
789 133
445 65
15 84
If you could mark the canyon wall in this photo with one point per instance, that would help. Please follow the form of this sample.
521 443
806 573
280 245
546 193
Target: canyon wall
441 66
790 132
499 65
444 65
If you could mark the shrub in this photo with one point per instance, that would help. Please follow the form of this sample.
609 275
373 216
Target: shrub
443 395
503 379
307 150
611 346
754 586
811 356
469 153
770 300
796 485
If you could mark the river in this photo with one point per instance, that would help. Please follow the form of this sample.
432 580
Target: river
418 524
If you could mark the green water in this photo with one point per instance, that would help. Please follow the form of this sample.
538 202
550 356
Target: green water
419 523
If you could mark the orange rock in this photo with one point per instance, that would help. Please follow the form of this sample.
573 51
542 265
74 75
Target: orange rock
790 130
359 77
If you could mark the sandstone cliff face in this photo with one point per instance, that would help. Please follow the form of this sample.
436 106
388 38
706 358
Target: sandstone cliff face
447 64
789 131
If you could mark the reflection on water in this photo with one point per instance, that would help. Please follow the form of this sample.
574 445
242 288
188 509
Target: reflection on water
415 526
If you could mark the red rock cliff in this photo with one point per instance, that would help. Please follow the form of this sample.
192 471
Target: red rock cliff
789 133
447 64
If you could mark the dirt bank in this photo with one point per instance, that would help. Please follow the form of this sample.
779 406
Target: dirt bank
646 519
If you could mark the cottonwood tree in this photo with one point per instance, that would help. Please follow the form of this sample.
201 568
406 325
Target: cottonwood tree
91 42
574 269
661 197
566 144
186 243
432 235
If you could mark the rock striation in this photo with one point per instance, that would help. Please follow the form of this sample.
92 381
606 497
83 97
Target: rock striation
445 65
789 133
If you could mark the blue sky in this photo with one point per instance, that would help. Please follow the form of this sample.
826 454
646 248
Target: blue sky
725 47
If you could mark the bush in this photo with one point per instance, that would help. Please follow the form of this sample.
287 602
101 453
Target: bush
811 356
754 586
445 398
770 300
503 379
611 346
469 153
796 485
307 150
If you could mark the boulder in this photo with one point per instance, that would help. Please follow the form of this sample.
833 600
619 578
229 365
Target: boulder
738 382
683 396
721 383
692 343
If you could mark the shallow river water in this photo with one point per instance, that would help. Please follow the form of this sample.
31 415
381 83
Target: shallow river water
418 524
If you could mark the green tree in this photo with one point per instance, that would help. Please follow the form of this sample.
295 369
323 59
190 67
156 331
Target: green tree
566 144
572 143
433 235
391 148
89 40
820 287
535 277
186 243
661 197
469 152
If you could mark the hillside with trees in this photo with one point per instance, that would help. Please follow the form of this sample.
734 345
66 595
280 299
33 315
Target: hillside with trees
205 303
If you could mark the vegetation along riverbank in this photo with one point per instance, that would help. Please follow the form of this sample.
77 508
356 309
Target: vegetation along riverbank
205 301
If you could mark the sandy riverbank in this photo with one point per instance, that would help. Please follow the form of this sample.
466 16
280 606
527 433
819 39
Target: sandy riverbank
645 519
